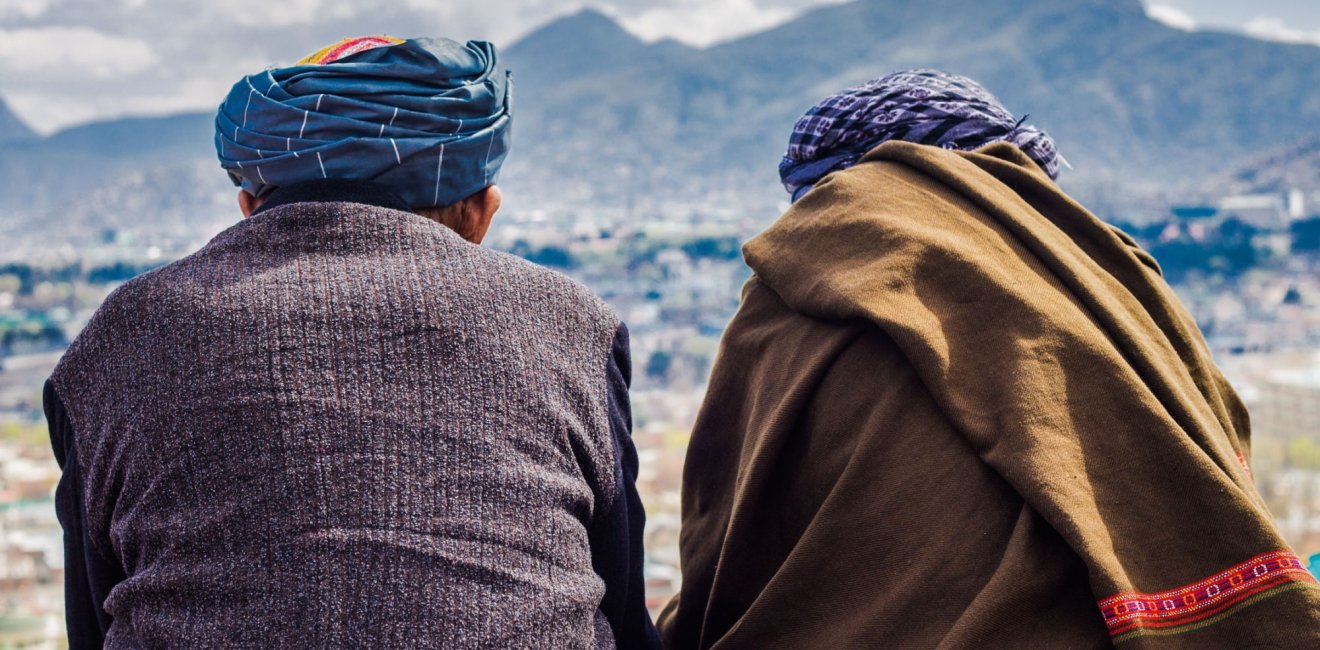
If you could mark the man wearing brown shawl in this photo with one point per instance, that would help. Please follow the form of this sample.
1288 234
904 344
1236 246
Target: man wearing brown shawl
956 410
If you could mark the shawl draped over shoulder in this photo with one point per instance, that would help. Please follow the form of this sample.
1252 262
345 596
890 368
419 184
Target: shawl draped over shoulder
957 410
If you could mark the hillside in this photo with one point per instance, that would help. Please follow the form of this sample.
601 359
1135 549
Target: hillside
1124 95
1296 165
50 172
605 119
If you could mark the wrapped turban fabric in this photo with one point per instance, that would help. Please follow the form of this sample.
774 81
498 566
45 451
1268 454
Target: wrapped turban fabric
427 118
919 106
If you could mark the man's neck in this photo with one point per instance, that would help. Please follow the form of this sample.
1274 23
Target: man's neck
334 191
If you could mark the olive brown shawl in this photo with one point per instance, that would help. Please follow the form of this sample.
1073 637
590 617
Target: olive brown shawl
957 410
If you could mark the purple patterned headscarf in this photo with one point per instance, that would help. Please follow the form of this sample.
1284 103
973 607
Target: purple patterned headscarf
922 106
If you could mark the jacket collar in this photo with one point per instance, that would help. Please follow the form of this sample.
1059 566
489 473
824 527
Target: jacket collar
334 191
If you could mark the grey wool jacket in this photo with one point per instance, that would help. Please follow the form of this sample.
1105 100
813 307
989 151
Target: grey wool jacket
340 425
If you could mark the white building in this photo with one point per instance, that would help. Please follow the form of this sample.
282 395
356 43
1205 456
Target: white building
1265 211
1297 204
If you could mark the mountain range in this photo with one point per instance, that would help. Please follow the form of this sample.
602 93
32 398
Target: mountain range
603 118
1293 166
1126 97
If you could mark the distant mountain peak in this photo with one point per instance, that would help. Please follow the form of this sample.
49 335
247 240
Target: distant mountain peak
589 15
588 23
13 129
575 46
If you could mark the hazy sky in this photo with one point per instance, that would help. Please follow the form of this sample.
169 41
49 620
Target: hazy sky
68 61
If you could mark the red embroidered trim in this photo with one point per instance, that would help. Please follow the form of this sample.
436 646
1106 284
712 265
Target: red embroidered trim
1132 613
1243 461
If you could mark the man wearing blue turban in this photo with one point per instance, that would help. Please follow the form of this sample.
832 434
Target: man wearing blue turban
342 423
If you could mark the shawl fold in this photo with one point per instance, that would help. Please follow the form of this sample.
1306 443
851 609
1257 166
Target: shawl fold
957 410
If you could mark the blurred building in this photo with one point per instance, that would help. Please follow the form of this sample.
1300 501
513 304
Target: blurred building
1285 415
1264 211
1289 404
1296 204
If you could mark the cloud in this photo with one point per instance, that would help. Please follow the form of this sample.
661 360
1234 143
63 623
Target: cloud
287 13
50 111
161 91
701 22
71 52
1171 16
23 8
1274 29
192 94
47 114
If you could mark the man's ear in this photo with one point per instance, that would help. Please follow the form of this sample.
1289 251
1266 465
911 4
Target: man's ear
247 203
476 213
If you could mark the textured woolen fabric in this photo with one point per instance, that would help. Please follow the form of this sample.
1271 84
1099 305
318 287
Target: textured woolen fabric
88 576
956 410
340 425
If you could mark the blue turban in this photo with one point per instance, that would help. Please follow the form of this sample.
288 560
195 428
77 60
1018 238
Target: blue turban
427 118
920 106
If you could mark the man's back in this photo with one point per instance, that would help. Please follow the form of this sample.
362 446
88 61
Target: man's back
340 424
956 410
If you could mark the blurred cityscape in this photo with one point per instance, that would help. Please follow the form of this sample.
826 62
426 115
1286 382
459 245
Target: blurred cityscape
1248 267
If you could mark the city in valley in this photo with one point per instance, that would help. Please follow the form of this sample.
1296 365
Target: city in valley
1247 266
